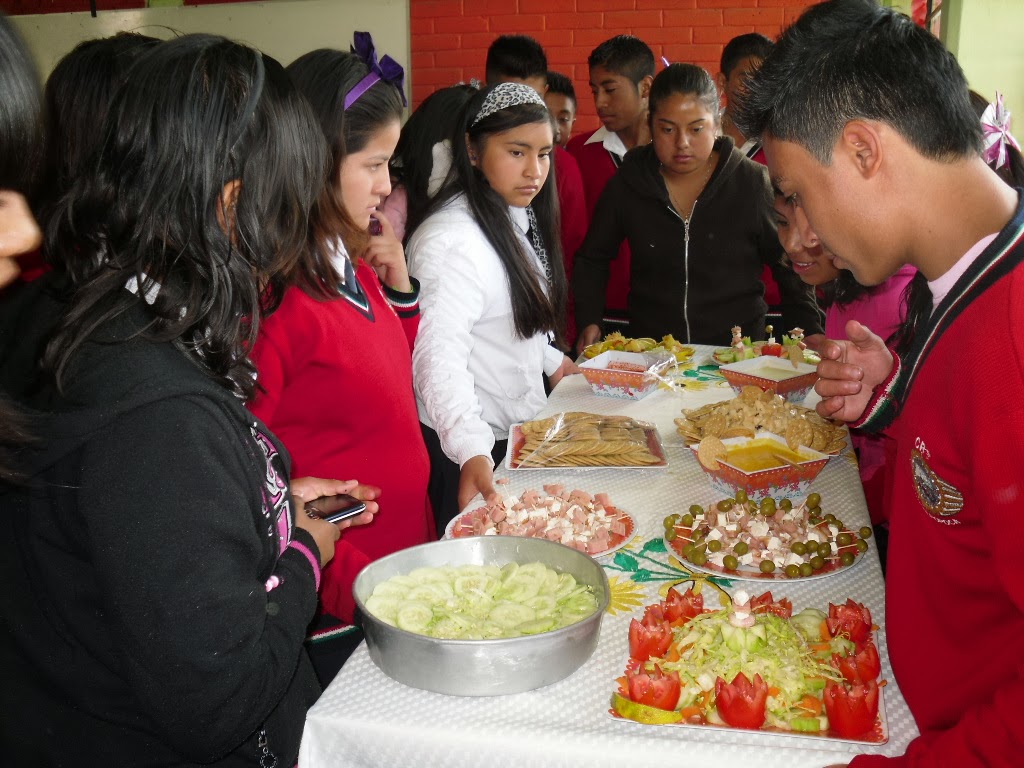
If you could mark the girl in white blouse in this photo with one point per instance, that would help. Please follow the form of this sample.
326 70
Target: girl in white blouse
489 262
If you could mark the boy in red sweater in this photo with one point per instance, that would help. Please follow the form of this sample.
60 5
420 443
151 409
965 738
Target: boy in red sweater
521 59
621 73
868 129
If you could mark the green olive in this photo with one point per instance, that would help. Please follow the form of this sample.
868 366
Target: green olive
813 500
812 546
687 552
792 570
741 548
817 562
844 539
865 532
767 566
700 546
862 546
730 563
814 520
814 511
806 569
714 545
798 548
741 496
670 521
725 505
696 509
670 534
847 558
786 504
832 519
767 506
686 521
699 558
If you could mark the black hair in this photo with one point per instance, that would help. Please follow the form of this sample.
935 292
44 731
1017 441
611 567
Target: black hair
20 154
77 99
683 79
743 47
198 113
845 60
325 77
917 295
1013 171
515 56
21 145
559 83
534 309
624 55
433 121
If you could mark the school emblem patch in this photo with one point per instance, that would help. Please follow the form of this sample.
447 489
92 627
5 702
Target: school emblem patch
938 497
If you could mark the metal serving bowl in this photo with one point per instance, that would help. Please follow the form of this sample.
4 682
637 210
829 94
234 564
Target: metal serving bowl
482 667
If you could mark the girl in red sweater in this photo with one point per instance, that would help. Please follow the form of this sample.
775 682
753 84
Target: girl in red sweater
334 359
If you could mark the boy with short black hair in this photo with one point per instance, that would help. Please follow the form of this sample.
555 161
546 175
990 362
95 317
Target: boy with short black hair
521 59
741 56
517 59
868 128
621 73
561 101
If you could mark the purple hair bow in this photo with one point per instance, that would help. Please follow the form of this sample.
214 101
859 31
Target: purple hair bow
387 69
995 123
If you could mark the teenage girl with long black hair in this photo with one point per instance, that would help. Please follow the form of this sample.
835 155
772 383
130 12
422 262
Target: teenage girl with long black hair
157 573
488 258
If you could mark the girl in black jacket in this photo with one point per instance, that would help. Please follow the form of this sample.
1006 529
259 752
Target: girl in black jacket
156 573
698 217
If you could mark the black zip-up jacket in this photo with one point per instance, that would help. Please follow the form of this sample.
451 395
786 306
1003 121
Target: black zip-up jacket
694 281
147 614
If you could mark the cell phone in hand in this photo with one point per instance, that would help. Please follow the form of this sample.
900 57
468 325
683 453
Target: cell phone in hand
376 228
334 509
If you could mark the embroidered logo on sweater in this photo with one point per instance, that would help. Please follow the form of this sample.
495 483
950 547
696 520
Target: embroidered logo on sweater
940 499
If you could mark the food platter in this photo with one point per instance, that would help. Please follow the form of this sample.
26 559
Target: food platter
748 663
646 451
474 521
752 542
747 573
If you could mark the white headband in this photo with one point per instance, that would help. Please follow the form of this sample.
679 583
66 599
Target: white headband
505 95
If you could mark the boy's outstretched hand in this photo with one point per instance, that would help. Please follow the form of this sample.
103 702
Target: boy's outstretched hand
849 371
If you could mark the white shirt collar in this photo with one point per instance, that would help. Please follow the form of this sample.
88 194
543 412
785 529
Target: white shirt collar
339 258
520 219
610 140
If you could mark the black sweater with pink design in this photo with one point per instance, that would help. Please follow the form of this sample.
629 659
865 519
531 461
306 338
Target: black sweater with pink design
154 595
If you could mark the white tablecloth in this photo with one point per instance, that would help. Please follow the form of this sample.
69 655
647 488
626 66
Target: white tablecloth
366 719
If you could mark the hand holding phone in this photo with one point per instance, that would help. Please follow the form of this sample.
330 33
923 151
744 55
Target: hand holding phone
334 509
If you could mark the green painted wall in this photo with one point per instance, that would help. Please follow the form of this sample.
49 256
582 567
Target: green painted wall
986 36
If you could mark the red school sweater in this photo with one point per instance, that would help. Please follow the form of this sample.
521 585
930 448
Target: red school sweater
955 584
573 205
596 168
337 377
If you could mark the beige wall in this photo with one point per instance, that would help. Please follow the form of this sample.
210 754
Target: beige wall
986 39
285 29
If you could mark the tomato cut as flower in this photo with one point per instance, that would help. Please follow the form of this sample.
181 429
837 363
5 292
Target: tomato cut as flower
741 703
851 709
682 607
850 619
649 640
765 604
860 666
654 688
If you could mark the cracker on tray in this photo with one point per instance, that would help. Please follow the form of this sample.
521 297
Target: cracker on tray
577 439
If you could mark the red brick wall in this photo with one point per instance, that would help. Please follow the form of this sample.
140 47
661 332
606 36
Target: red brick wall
450 37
